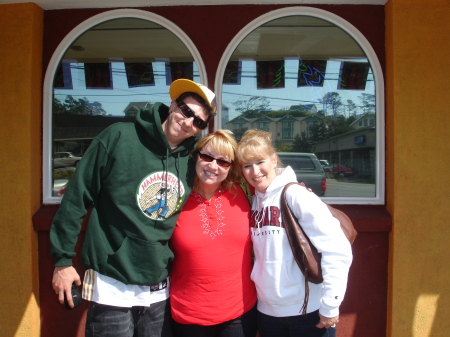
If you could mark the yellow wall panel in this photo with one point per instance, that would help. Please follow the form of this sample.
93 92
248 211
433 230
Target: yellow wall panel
21 30
418 76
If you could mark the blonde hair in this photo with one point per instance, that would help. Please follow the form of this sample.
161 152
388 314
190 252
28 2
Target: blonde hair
221 142
255 144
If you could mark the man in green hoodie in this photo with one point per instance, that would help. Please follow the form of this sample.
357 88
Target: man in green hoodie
134 177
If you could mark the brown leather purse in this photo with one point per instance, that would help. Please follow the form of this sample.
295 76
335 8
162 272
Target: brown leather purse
305 254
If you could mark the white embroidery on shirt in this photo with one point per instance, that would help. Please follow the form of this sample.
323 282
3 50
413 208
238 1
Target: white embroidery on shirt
216 202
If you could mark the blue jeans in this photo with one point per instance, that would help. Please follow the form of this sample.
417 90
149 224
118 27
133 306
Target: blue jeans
109 321
243 326
292 326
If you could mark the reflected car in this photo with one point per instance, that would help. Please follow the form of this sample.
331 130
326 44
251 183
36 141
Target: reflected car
59 187
64 159
307 168
339 171
324 162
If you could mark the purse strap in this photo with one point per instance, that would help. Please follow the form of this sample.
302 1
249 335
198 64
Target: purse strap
305 254
300 244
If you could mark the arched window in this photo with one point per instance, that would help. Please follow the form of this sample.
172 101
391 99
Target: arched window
314 81
103 72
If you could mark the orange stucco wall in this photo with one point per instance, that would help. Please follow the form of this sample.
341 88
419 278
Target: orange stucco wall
417 138
418 146
21 31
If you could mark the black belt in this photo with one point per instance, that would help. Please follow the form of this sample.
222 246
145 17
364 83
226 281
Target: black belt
160 286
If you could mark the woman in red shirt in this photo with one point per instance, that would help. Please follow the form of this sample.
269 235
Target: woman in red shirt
211 292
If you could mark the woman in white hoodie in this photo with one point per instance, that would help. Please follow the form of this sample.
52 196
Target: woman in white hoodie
279 282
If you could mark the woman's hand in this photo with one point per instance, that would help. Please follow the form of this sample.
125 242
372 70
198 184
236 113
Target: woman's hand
326 322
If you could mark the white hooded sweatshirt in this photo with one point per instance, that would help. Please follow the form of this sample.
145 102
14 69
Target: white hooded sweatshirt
279 282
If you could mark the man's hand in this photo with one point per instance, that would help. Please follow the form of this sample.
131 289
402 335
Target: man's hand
63 277
326 322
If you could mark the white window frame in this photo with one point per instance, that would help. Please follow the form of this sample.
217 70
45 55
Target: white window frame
379 198
56 58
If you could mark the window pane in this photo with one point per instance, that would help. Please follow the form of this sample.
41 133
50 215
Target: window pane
313 87
106 75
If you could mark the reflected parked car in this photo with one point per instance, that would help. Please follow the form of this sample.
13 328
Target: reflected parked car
324 162
59 187
339 171
64 159
307 168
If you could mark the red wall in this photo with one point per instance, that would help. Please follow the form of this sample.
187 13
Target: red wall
211 28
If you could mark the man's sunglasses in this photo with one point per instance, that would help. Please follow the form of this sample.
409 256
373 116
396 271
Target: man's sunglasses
188 113
209 159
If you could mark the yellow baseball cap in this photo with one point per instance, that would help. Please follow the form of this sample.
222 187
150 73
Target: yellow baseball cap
183 85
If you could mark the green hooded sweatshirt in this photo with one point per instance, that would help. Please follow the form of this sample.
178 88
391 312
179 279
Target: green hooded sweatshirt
135 185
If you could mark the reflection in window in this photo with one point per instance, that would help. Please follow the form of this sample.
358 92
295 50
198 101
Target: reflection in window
314 87
269 74
105 76
232 73
311 73
139 74
264 126
98 75
353 75
287 130
177 70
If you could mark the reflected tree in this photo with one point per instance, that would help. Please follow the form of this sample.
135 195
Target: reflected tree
320 131
368 102
252 107
80 106
331 101
239 133
302 143
340 125
351 107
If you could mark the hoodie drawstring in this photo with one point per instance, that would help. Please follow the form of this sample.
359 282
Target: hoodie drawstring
177 167
259 217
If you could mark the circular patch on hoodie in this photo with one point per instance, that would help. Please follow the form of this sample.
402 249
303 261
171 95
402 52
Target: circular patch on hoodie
160 195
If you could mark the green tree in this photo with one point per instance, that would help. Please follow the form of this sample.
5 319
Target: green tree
319 131
331 127
96 108
352 108
301 143
76 106
340 125
80 106
239 133
282 113
368 102
252 107
58 107
332 101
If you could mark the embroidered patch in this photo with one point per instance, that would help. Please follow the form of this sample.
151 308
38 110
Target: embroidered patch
158 196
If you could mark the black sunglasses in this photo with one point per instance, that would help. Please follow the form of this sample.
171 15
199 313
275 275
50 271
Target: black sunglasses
209 159
188 113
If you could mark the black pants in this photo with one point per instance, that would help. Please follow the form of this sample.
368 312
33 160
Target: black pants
105 320
242 326
292 326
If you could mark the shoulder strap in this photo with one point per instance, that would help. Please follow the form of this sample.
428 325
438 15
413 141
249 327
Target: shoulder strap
305 254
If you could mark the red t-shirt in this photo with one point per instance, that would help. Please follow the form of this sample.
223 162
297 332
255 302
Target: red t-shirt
210 279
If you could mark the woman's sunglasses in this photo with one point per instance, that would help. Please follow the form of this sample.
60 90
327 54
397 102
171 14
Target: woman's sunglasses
188 113
220 162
